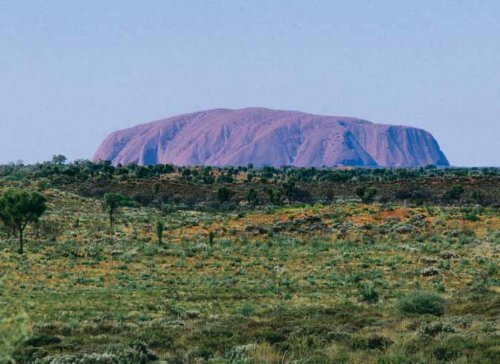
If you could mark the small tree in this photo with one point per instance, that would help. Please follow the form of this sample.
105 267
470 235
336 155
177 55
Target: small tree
4 219
156 189
454 193
290 189
211 237
20 207
366 195
252 197
274 197
4 216
478 196
59 159
159 231
223 195
111 203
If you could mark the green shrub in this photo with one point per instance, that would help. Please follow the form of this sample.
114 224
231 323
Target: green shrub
366 195
368 294
421 303
246 310
478 196
454 193
110 204
13 330
223 195
159 231
211 237
252 197
471 216
375 342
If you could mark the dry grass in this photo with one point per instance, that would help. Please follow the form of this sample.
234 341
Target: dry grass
288 279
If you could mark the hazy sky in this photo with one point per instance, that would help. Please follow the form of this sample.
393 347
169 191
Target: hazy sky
73 71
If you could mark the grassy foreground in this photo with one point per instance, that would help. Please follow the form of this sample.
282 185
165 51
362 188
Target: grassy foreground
304 284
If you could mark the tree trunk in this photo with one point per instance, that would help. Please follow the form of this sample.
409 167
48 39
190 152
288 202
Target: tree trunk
21 251
37 229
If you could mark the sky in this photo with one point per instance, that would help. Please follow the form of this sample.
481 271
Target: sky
73 71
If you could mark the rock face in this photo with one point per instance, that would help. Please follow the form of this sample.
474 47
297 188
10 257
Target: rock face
263 137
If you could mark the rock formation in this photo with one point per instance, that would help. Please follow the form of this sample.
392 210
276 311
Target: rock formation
264 137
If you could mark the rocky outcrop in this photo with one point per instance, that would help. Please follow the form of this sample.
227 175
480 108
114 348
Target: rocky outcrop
224 137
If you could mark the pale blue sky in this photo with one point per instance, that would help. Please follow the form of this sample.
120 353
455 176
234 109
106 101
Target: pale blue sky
73 71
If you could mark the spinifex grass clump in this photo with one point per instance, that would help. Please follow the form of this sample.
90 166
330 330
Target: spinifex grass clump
422 303
368 293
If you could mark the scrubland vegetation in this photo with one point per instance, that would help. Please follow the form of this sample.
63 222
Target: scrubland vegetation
258 266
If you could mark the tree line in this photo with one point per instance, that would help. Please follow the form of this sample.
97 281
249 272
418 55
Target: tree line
59 171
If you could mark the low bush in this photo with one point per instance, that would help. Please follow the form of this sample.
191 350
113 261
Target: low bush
422 303
368 294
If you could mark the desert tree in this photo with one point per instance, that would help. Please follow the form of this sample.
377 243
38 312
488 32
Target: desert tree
478 196
273 197
211 238
159 231
223 194
252 197
110 204
156 189
59 159
4 219
18 208
453 193
366 195
290 190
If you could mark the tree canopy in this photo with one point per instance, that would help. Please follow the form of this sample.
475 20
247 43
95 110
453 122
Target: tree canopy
18 208
111 202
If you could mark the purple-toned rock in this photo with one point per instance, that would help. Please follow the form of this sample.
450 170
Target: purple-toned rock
263 137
